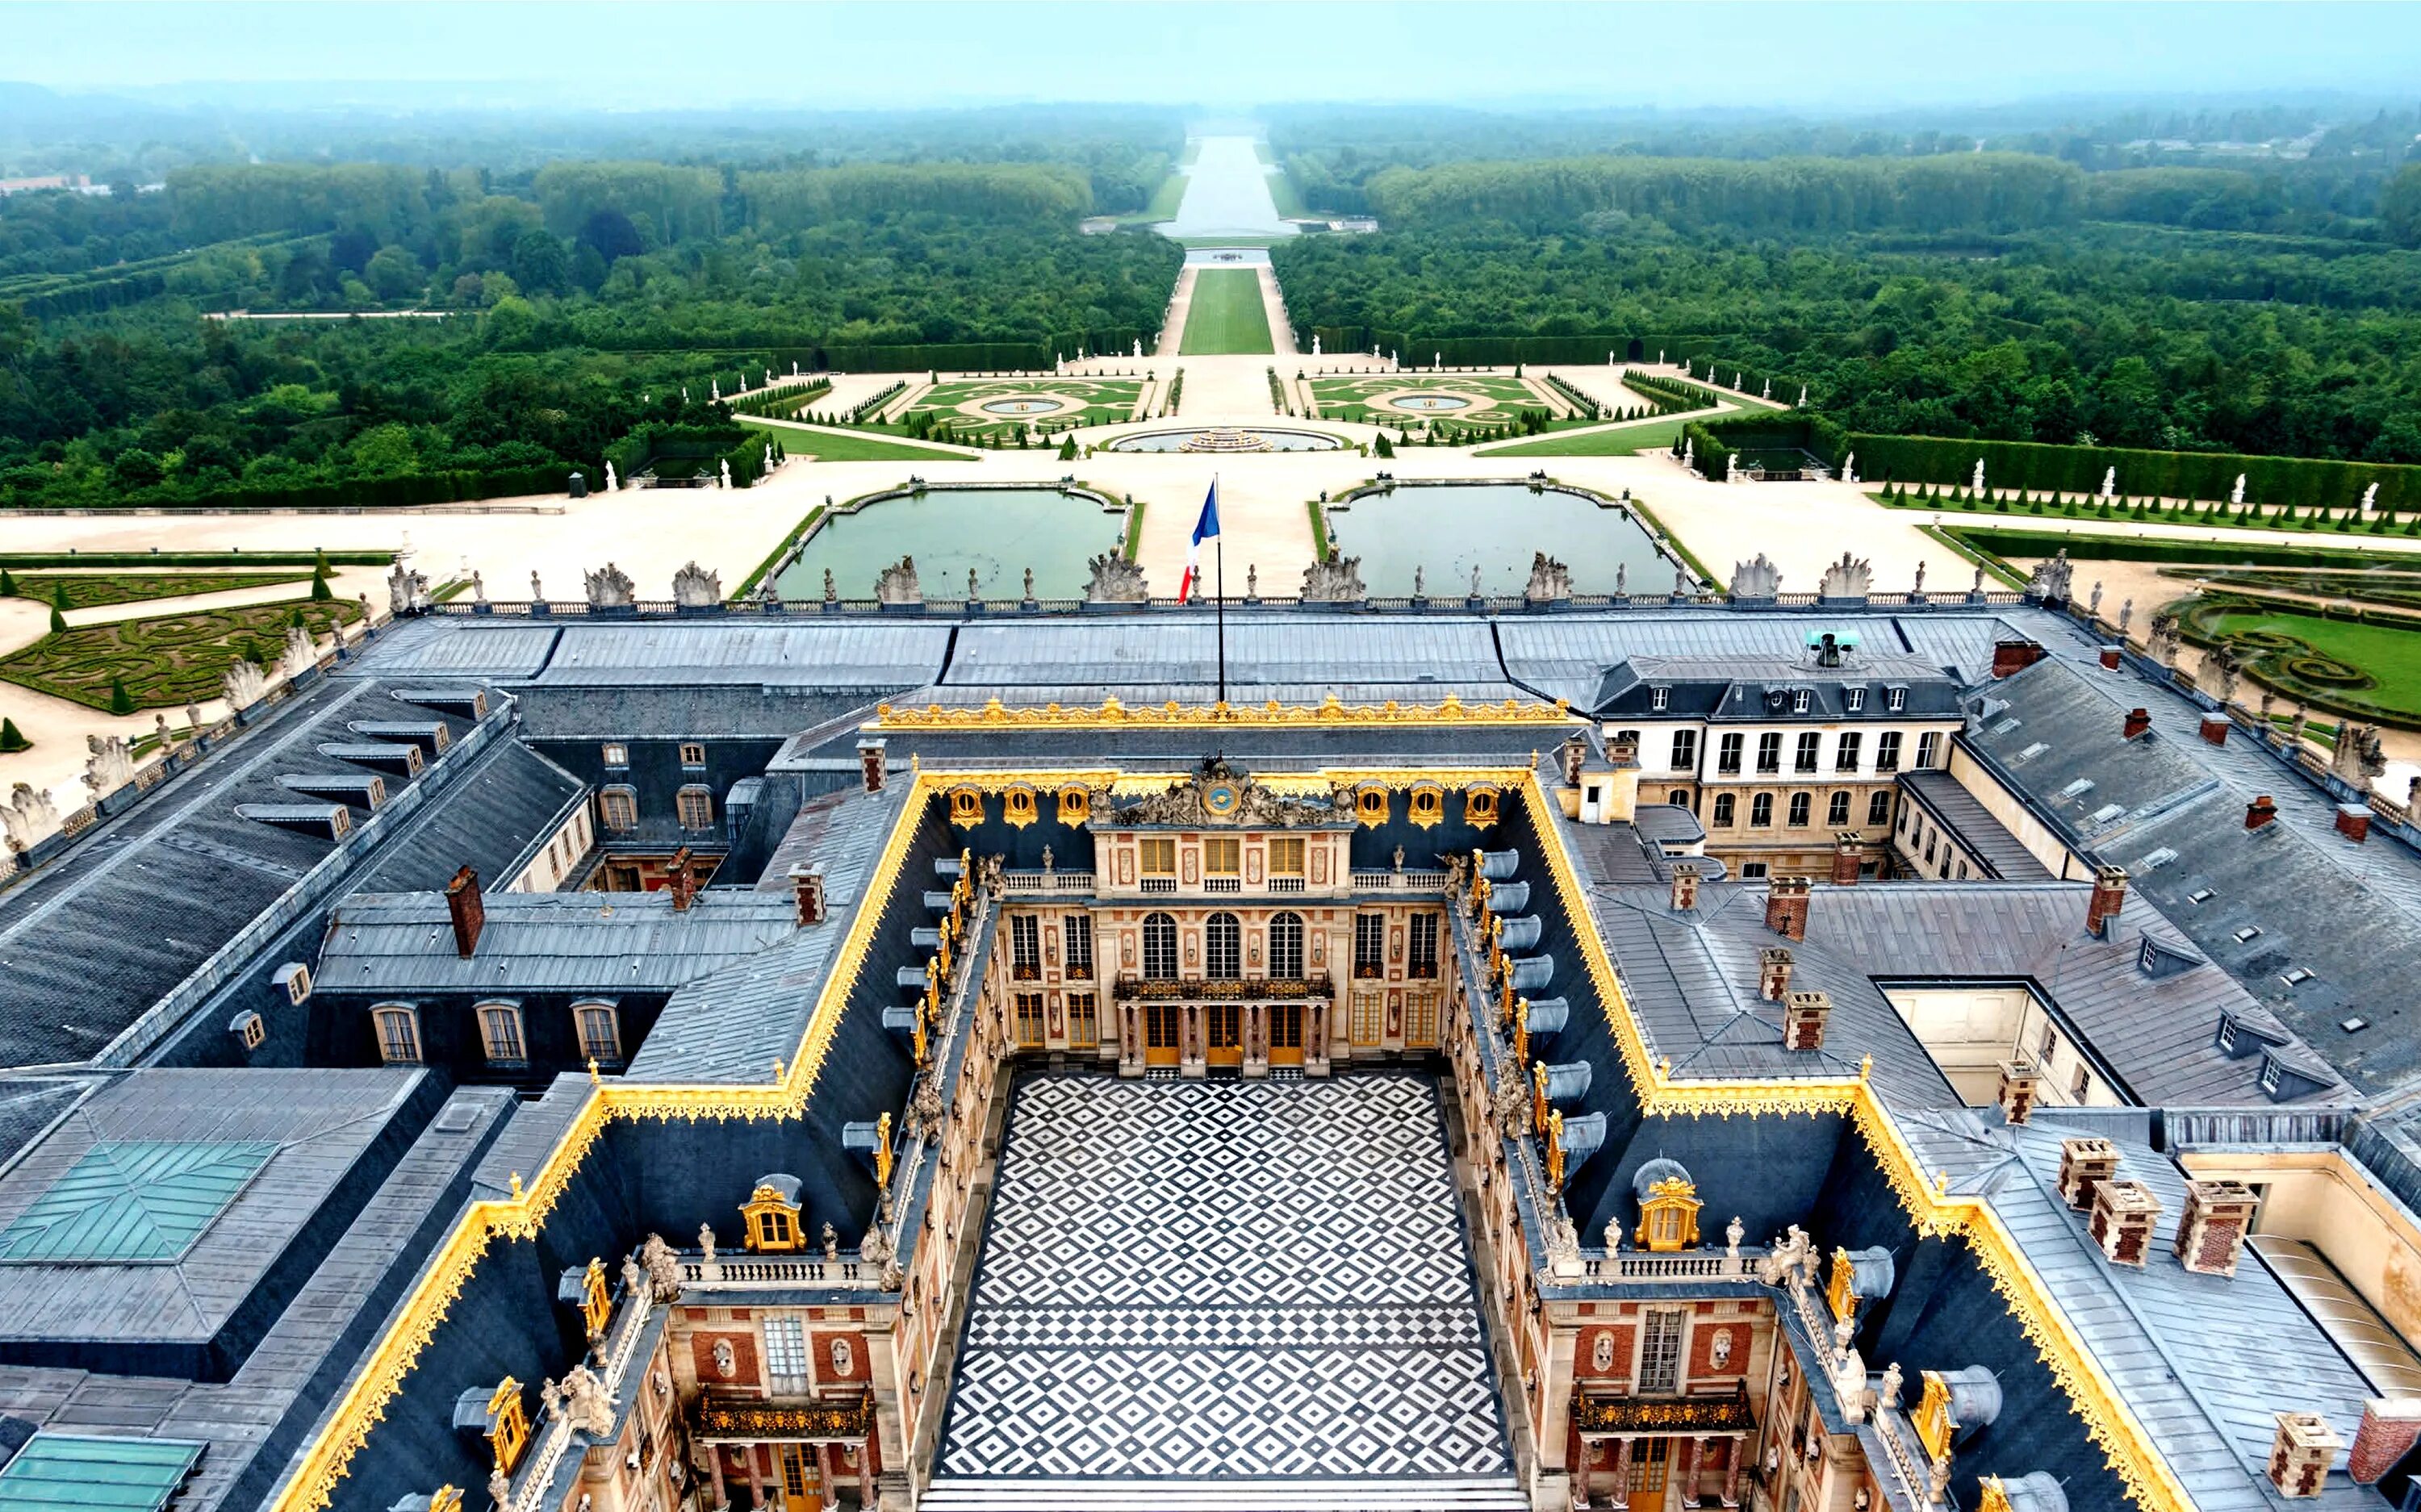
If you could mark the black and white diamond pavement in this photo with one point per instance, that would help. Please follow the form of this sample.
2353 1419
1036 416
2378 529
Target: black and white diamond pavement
1207 1281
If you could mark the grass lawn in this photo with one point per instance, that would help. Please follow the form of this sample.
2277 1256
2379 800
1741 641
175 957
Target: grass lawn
1623 441
830 447
1164 203
2392 656
1226 316
91 591
1496 398
166 661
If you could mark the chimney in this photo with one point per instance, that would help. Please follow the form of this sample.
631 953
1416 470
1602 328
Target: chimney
468 910
2109 897
1685 886
2014 656
2138 721
2389 1427
1773 972
2019 1084
1845 860
2110 657
2124 1214
869 764
2260 812
1785 907
2299 1455
2084 1164
2214 728
1572 753
2353 821
2211 1236
1803 1020
808 883
680 881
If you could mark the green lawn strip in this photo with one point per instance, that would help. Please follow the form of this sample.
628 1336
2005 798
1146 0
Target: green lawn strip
2014 508
1226 317
88 591
1288 197
23 561
1319 542
1706 573
1105 401
1353 398
164 662
1134 528
1620 440
1976 554
748 584
1165 200
844 446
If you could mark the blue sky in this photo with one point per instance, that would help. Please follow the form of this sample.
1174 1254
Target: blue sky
1852 57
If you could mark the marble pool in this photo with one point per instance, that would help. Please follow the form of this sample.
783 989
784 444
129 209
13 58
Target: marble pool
1447 529
997 532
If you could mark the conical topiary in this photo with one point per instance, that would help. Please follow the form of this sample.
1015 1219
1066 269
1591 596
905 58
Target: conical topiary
11 739
120 701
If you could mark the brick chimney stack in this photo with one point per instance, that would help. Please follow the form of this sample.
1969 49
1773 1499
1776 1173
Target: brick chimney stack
2015 656
2260 812
2214 728
1685 886
2299 1455
680 881
2110 657
2084 1164
2353 821
2389 1428
1773 972
2211 1235
2021 1082
1571 756
869 764
2124 1215
2109 898
808 883
1845 860
1804 1016
2138 721
1786 906
468 910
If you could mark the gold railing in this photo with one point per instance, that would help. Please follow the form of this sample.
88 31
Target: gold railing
725 1417
1239 989
1728 1414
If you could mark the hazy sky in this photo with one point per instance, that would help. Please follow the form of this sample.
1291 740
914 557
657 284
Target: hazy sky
638 56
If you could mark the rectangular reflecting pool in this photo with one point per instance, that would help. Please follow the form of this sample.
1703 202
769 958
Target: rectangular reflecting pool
998 533
1447 529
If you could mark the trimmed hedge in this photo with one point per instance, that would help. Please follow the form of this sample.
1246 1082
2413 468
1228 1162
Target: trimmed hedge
2300 481
369 492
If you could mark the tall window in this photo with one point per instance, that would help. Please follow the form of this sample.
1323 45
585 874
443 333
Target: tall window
1025 947
500 1031
399 1033
1159 948
1368 1023
1769 751
1853 699
1027 1019
1424 961
1845 751
696 807
1159 856
786 1356
1660 1356
1421 1016
617 808
1222 947
1222 856
616 754
1809 744
1725 806
1887 751
1369 944
1836 813
1083 1020
600 1032
1076 941
1879 806
1685 750
1927 745
1659 698
1727 753
1286 946
1760 811
1799 810
1286 864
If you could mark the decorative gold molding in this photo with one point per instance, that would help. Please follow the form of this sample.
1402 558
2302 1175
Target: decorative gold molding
1112 713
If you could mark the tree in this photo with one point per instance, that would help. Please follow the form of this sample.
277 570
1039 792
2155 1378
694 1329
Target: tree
120 701
1382 447
11 739
539 262
59 613
2399 205
394 273
8 583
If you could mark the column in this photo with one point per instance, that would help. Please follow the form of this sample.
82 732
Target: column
865 1473
714 1462
1732 1468
827 1481
1690 1470
1621 1473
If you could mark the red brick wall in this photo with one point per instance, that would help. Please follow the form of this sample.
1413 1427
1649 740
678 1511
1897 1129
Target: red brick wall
743 1360
1584 1361
822 1343
1702 1348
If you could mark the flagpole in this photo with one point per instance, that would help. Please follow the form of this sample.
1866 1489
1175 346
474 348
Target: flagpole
1221 595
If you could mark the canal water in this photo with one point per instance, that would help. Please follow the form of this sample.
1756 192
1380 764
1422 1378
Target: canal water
1227 193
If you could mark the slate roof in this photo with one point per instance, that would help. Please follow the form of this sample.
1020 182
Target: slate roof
1297 647
583 712
867 652
1960 815
400 943
1764 688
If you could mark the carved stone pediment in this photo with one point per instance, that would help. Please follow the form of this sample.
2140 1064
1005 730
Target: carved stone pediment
1220 794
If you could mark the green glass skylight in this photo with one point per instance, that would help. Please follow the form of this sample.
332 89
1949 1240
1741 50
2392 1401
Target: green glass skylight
135 1200
83 1473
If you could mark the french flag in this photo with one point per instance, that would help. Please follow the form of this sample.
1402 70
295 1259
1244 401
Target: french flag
1204 529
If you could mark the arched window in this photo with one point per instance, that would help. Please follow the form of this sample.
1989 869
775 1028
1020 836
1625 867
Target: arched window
1725 806
600 1032
618 807
1679 798
399 1033
1286 946
1837 810
696 807
1159 948
500 1031
1222 947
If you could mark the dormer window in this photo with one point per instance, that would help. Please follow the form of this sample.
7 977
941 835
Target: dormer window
2078 788
2270 1077
693 754
617 754
1853 699
2227 1037
1659 699
1895 700
1800 699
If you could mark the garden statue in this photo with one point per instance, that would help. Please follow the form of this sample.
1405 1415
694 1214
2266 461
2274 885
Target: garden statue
1848 578
832 595
972 596
1475 582
1737 378
1116 579
2109 484
107 767
1550 581
684 394
31 814
611 481
1920 580
2357 755
899 584
2369 500
1138 347
1314 344
1976 589
1420 582
609 587
1802 396
1768 390
1622 580
715 384
1757 579
2093 604
1437 362
1334 579
727 474
1849 468
1975 483
243 684
538 594
1681 582
1029 585
479 587
769 457
695 587
194 710
2236 494
1690 452
2126 613
407 591
1731 467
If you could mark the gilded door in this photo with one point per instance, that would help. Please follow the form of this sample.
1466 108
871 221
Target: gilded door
1222 1033
1286 1034
1164 1032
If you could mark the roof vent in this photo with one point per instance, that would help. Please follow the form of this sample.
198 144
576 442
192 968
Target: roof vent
2078 788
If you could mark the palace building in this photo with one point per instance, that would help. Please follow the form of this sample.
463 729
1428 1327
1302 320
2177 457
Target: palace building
1657 1056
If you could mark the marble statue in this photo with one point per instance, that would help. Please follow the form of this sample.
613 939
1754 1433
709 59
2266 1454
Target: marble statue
479 587
1029 585
1115 579
1336 579
107 766
1731 467
1757 579
243 684
1920 579
898 585
407 591
2126 613
832 595
1802 396
2093 600
705 1242
2358 755
609 587
1475 581
716 383
695 587
1315 344
1420 582
769 457
1732 1232
1975 483
1252 581
2050 580
663 1268
1848 578
2236 494
301 656
612 483
831 1245
634 1280
537 594
1690 452
1849 468
590 1405
1768 390
31 814
2369 499
2109 484
725 480
1978 585
1622 580
1550 581
972 595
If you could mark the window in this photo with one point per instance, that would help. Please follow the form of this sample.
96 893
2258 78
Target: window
617 808
1421 1016
1368 1022
1845 751
1879 806
1286 946
1810 744
1678 797
1025 948
1725 806
1769 751
1799 700
794 1476
2270 1077
500 1032
1800 805
1159 948
1752 871
1887 751
1369 944
1727 755
1836 813
693 754
399 1033
1158 855
1895 700
1223 856
1285 1030
1076 943
1928 848
1685 750
1424 963
2080 1088
600 1032
617 754
1222 947
1927 745
2050 1044
786 1356
696 807
1853 699
2200 895
1760 811
1083 1020
1027 1018
1285 860
1660 1355
1659 699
